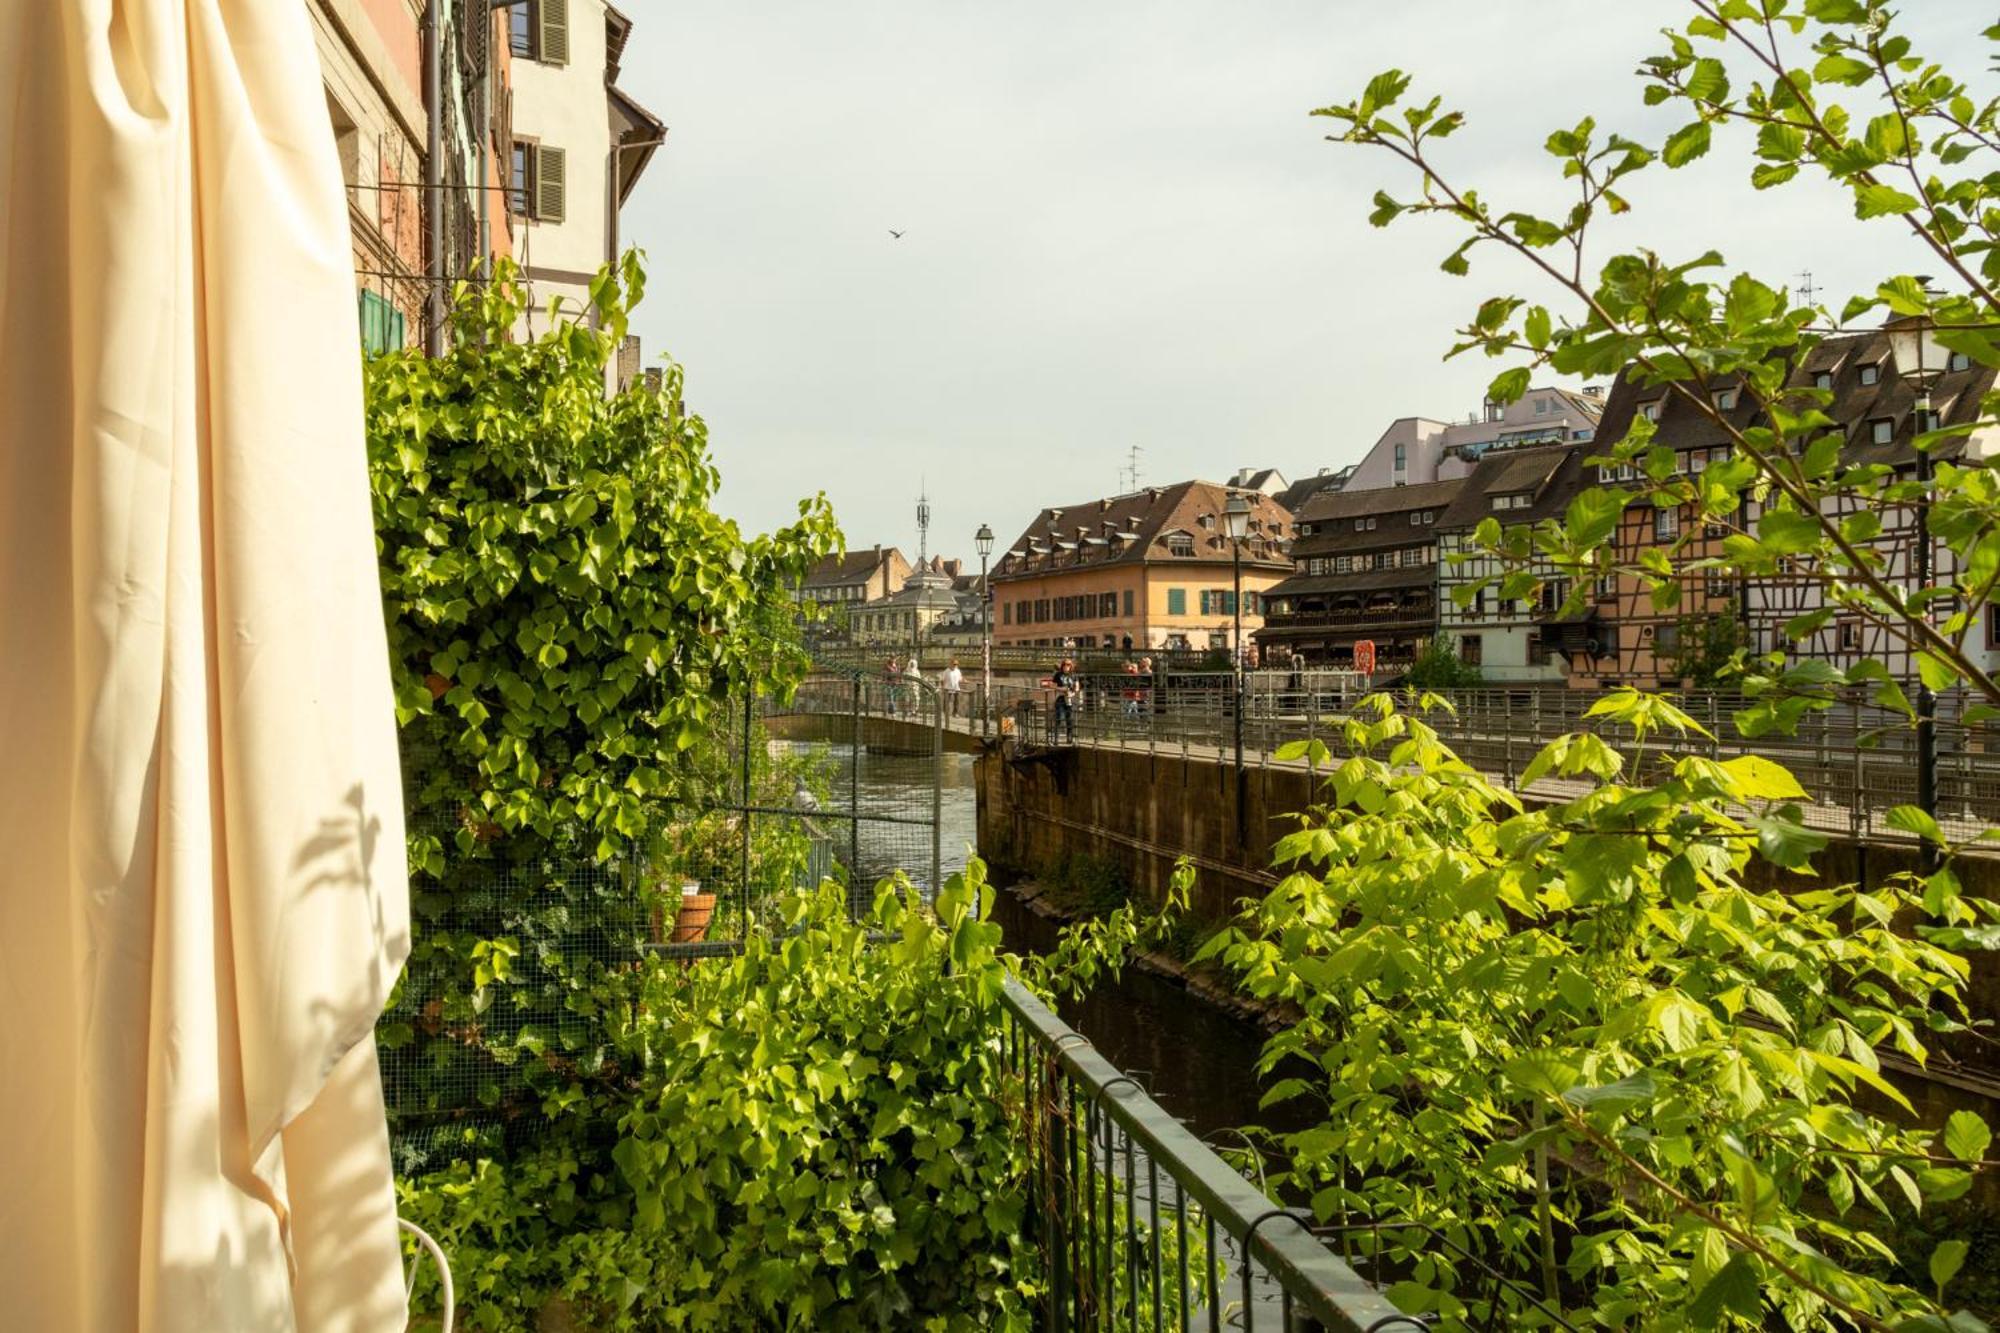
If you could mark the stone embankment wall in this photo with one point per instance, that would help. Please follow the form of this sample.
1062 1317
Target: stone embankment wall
1139 812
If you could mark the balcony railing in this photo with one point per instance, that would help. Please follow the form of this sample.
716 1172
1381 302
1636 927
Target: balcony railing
1142 1224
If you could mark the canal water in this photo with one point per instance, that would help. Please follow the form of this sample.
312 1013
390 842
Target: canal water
1195 1060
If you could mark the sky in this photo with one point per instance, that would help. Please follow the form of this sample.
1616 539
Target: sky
1122 229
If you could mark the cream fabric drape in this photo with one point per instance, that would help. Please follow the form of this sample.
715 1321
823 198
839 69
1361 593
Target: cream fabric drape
202 894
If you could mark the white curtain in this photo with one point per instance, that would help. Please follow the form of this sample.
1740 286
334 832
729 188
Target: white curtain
202 893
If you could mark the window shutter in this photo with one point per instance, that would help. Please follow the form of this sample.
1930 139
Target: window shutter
549 172
554 19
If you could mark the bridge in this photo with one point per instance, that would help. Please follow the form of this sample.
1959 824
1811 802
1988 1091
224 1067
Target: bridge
1856 762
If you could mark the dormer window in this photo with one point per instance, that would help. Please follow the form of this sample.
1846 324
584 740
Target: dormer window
1871 374
1429 516
1881 430
1416 518
1180 543
1516 500
1650 411
1958 361
1823 379
1725 399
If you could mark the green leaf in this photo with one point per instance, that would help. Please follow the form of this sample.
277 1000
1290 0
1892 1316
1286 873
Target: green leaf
1913 819
1685 144
1946 1260
1874 201
1966 1136
1737 1290
1628 1092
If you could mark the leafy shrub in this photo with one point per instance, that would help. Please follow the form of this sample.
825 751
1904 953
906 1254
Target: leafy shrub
1572 1039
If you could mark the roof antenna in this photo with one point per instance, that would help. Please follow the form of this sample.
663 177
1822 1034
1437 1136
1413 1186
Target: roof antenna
1128 475
923 521
1805 291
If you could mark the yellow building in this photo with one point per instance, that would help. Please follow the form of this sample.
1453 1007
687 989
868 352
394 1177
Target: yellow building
1151 570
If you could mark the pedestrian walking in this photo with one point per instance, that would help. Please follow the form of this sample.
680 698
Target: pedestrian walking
892 683
954 684
1066 687
913 677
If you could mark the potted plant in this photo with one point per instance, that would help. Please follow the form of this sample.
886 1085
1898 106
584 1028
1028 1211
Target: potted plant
696 908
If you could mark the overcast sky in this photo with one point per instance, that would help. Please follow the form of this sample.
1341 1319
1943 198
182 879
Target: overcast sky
1122 229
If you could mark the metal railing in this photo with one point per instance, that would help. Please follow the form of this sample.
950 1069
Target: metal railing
1142 1225
1855 761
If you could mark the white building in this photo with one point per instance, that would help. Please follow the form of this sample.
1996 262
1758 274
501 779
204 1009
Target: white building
579 145
1415 450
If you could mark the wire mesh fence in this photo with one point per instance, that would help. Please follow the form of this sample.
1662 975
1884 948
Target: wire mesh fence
771 808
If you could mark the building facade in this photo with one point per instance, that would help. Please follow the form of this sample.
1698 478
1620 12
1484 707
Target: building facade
1634 640
1364 567
419 219
578 147
1151 569
1415 450
1510 639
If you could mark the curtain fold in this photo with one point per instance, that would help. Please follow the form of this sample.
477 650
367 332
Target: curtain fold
202 889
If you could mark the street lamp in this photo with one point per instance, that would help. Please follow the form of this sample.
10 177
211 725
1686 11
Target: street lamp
1920 359
982 541
1236 521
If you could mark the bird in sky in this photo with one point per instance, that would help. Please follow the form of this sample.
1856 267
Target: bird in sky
897 234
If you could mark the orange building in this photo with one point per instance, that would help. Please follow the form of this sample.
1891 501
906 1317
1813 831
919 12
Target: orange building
1147 570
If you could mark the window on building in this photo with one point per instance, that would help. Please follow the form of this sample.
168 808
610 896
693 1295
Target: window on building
1847 636
1725 399
1535 653
539 30
1128 601
1205 595
1881 430
1180 543
1412 555
1007 613
1401 456
1667 639
1650 411
1871 374
1666 524
1470 650
1107 605
1718 585
1041 610
1343 564
1607 587
1430 516
1541 407
1993 626
382 325
1823 379
1925 421
1958 361
1177 601
536 187
1385 560
1416 518
1478 606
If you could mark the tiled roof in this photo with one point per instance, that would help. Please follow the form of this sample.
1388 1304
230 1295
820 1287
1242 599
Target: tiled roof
853 567
1369 580
1683 425
1133 528
1552 475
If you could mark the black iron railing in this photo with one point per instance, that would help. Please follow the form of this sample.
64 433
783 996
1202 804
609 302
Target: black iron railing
1142 1224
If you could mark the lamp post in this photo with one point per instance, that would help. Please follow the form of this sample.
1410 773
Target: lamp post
983 542
1920 360
1236 519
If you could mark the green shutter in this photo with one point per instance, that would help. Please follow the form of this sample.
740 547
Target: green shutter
549 172
1177 601
553 18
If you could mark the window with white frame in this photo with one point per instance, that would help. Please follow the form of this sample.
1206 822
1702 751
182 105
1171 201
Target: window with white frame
1650 411
1666 524
1871 374
1823 379
1881 430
